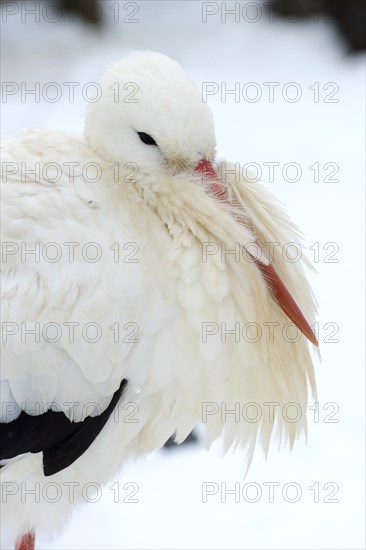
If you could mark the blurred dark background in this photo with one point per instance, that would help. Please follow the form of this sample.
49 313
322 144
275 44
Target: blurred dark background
348 15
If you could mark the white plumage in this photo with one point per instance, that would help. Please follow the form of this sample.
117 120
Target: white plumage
151 221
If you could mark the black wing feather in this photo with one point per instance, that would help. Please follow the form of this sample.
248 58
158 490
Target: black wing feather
61 440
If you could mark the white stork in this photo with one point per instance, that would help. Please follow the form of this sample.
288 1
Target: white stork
119 288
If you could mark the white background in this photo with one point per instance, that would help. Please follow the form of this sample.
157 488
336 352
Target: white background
170 512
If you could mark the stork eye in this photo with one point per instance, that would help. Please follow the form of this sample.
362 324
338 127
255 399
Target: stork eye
146 138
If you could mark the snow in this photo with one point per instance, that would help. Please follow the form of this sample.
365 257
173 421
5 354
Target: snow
170 512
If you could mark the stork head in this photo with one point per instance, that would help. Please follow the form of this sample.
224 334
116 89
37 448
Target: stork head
150 113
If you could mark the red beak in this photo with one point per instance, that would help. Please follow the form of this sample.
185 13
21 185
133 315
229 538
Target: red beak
205 167
274 283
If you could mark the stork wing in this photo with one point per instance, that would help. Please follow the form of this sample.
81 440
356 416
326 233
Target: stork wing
64 341
61 440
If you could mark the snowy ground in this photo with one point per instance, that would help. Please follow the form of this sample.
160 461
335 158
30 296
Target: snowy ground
170 512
